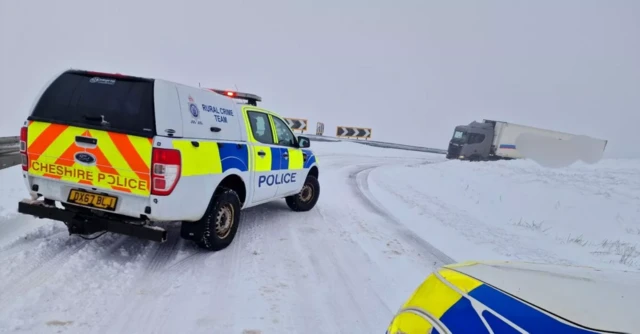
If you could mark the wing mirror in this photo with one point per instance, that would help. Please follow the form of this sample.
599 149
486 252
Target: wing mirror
304 142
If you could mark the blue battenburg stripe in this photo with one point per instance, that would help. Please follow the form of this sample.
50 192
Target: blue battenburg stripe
276 159
497 325
462 318
311 158
526 317
284 163
233 155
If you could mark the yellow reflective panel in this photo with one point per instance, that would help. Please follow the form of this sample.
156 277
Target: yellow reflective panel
201 160
262 163
296 160
460 280
409 323
433 296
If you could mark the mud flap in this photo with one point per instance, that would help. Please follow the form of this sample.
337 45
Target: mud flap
191 230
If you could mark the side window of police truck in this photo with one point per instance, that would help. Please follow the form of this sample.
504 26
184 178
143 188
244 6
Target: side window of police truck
285 136
260 127
92 100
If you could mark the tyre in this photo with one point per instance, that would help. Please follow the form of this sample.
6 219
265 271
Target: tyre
307 198
220 222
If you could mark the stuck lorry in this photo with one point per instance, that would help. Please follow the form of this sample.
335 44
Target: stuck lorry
497 140
113 153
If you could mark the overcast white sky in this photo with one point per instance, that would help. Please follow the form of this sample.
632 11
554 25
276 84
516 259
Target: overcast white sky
412 70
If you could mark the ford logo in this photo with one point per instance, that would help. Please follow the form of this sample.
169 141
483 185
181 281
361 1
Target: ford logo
85 158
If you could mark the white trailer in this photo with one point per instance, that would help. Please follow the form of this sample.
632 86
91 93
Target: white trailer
506 134
494 140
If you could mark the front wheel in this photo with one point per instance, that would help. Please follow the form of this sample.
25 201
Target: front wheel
220 223
308 196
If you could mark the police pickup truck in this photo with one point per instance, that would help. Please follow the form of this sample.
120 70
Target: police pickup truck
112 153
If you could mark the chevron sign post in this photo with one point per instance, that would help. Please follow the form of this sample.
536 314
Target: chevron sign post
353 132
297 124
319 129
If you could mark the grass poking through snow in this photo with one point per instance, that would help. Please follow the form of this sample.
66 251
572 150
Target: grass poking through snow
579 240
633 230
628 252
533 225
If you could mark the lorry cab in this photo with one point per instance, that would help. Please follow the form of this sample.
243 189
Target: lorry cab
120 153
471 142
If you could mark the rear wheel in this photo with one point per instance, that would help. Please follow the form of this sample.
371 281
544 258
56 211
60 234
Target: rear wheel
308 196
220 222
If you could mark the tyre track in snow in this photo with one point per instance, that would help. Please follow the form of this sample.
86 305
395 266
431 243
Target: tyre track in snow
311 278
353 279
48 265
35 272
207 277
340 275
209 274
24 244
153 277
359 179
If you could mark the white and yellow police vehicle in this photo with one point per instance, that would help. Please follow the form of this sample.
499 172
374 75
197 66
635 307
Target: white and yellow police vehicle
113 153
513 297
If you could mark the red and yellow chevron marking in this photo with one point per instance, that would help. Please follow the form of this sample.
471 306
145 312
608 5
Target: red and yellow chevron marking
122 161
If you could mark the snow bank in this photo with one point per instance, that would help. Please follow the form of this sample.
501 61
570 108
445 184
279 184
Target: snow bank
583 214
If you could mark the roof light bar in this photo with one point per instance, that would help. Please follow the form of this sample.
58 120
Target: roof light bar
252 99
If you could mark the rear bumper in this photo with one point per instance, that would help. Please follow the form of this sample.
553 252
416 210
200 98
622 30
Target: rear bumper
128 205
85 224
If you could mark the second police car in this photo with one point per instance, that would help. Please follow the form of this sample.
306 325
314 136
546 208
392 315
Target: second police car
513 297
108 152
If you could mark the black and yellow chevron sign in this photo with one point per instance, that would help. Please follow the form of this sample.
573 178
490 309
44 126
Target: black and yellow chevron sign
297 123
353 132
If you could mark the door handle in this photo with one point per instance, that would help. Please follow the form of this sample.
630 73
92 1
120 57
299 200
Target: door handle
285 155
261 153
86 140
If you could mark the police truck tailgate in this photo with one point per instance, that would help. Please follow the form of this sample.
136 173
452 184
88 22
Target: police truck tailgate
91 135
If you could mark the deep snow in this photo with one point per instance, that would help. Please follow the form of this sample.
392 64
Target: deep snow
583 215
385 219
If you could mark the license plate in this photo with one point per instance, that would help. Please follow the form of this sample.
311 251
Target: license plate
93 200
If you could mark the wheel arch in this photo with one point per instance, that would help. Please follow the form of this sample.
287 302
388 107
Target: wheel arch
235 183
315 172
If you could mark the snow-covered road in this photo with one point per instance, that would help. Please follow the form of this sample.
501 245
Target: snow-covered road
385 219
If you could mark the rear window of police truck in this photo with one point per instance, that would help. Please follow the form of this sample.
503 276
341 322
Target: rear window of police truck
119 104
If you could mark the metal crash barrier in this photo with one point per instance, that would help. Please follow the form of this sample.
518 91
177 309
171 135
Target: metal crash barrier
9 152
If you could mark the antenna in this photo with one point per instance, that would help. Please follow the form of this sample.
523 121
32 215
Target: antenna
199 85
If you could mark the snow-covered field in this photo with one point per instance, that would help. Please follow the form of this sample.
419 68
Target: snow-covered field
385 219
